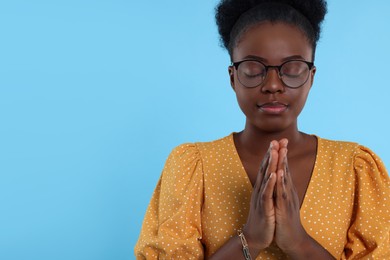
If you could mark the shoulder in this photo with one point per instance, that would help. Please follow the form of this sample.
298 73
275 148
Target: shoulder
190 153
345 147
336 146
198 148
358 155
215 146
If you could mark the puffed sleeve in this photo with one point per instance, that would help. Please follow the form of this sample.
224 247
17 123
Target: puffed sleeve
368 235
172 223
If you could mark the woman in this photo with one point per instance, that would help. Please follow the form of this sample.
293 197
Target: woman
270 191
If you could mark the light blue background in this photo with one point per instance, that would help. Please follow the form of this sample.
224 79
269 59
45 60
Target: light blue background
95 94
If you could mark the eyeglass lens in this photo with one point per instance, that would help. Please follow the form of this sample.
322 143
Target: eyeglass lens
293 73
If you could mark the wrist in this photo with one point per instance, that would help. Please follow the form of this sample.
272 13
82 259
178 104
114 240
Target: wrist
245 247
300 246
308 248
253 244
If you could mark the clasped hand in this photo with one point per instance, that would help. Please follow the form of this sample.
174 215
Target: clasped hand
274 209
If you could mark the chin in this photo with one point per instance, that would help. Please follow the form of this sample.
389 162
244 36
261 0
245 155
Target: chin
275 126
270 129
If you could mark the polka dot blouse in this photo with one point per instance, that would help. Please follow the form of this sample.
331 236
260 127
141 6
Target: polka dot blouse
203 196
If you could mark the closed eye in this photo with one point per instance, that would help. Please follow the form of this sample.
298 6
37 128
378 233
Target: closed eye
291 75
261 75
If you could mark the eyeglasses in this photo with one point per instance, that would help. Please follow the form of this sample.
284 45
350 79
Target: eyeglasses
293 73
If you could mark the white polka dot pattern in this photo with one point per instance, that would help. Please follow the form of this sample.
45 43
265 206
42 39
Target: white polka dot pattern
346 206
203 196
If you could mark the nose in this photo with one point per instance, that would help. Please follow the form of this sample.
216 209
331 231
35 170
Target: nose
272 82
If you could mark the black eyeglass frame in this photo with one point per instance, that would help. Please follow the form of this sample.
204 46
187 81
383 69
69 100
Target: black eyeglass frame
267 67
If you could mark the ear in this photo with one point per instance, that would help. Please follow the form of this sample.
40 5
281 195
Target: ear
231 76
312 73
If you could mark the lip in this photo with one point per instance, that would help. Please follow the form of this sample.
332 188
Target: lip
274 108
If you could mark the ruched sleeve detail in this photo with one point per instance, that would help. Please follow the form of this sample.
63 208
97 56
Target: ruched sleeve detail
368 234
172 223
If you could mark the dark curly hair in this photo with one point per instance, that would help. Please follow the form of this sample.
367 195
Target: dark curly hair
234 17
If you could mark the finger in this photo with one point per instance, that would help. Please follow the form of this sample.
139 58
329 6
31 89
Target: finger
282 152
287 173
289 186
263 167
283 143
281 192
259 178
266 198
270 169
261 175
282 159
273 160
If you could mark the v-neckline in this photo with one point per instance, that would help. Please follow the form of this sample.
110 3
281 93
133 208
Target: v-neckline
244 174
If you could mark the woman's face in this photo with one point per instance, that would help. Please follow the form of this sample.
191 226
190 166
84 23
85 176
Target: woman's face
271 106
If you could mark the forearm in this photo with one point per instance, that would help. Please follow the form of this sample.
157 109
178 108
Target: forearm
310 249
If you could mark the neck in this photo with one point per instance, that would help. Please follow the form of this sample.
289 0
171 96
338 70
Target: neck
256 141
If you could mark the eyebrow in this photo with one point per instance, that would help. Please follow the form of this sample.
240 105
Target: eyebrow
293 57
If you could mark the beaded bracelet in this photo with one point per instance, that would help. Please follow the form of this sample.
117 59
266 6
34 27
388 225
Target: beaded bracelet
245 248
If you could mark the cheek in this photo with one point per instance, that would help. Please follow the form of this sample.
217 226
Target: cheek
301 100
245 98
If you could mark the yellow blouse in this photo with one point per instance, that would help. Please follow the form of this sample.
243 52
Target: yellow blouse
203 195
